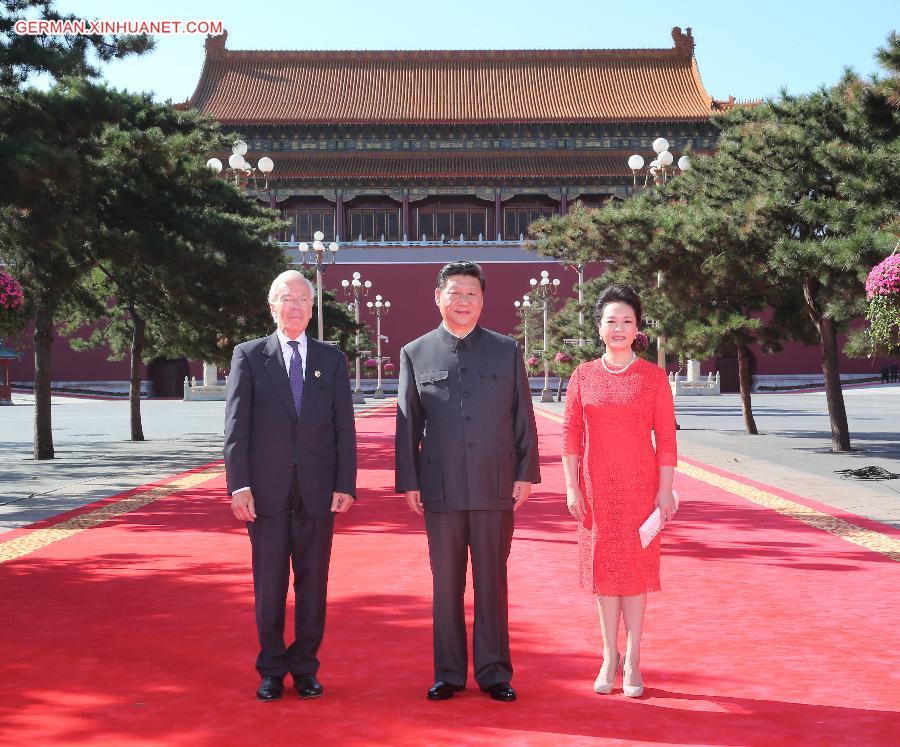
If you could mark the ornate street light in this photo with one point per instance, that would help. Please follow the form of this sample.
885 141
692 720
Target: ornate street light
524 307
320 256
357 288
379 307
544 289
240 168
661 168
242 171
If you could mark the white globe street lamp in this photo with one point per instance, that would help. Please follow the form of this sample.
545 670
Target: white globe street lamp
239 167
357 288
660 169
320 257
379 308
544 288
524 308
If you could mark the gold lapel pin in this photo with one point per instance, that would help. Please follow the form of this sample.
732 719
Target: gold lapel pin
317 374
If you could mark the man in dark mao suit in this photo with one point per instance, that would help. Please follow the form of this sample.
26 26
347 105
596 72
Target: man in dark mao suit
290 458
466 455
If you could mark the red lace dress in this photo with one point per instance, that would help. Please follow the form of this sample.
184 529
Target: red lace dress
608 421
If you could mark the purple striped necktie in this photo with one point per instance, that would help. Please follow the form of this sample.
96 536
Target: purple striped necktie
295 374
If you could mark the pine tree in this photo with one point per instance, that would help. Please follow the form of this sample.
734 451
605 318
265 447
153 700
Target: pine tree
45 146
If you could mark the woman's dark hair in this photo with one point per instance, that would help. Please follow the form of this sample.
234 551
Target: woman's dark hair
618 294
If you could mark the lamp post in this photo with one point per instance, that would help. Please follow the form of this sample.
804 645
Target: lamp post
239 167
580 341
660 169
544 288
241 170
378 308
357 288
320 256
524 307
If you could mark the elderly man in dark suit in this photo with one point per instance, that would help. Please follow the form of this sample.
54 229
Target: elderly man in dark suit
466 455
290 459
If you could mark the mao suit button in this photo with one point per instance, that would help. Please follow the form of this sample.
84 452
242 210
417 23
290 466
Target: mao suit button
465 395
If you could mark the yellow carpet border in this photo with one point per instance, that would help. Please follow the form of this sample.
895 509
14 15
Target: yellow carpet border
40 538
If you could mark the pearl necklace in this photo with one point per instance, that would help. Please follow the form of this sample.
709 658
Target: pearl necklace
621 370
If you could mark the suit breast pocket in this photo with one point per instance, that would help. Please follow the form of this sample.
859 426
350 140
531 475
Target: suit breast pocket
433 386
496 385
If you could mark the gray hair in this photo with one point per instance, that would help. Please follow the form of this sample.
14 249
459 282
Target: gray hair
283 279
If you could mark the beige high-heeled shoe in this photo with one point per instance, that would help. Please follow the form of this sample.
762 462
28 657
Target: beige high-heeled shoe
630 691
602 687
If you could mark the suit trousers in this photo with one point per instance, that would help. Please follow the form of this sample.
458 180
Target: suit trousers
291 538
450 536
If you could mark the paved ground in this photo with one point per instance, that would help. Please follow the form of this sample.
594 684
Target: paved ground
95 459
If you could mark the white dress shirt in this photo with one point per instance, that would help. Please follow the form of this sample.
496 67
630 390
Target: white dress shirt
287 352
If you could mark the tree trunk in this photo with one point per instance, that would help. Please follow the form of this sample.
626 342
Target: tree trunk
134 390
43 374
559 390
840 431
744 379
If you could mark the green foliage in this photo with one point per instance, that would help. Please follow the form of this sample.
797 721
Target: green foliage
884 321
171 244
771 238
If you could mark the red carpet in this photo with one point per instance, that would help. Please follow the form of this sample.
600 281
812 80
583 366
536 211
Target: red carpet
140 631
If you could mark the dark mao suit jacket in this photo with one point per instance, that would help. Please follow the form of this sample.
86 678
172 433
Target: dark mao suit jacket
465 423
267 445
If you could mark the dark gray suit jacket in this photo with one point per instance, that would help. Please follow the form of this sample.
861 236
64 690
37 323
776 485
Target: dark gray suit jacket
465 422
267 445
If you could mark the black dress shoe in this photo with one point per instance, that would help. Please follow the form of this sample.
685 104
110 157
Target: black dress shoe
500 691
444 690
307 686
271 688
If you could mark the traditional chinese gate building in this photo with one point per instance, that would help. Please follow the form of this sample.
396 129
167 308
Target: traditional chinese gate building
413 158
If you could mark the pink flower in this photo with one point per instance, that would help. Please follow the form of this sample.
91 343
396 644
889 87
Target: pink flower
11 294
641 342
389 368
884 279
371 363
562 357
532 362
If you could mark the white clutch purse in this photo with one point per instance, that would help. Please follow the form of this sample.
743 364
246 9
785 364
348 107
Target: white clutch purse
650 528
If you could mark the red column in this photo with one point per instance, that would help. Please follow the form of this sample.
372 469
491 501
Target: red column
498 214
564 203
339 216
5 388
404 218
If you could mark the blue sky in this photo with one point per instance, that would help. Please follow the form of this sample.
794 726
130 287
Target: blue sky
749 50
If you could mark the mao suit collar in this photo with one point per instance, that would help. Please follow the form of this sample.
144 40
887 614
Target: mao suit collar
453 342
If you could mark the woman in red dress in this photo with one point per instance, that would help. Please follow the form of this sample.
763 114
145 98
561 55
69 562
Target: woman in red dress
615 478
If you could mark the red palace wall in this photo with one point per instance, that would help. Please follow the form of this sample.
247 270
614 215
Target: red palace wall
71 365
410 289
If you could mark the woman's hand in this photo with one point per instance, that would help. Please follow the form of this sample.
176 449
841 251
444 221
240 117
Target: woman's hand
575 503
667 505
